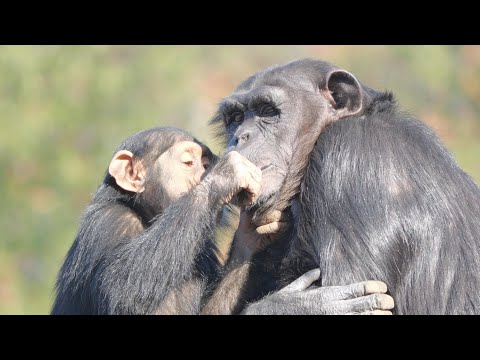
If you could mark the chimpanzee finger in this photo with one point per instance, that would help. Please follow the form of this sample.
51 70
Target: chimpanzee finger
303 281
271 228
255 171
365 303
272 216
374 312
352 291
246 198
252 191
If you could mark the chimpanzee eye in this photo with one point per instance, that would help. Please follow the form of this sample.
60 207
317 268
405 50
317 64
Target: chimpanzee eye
188 163
267 110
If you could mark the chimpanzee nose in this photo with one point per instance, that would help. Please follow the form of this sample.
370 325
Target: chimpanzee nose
243 138
240 137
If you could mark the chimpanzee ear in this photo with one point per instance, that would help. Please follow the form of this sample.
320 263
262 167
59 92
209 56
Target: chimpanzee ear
129 176
344 93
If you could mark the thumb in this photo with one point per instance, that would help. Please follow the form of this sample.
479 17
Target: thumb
304 281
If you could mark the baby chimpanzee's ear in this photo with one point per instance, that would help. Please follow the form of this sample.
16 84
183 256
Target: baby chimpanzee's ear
128 175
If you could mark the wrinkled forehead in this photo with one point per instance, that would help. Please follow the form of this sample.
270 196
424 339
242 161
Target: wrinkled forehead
183 140
157 142
279 78
277 82
193 146
166 139
175 143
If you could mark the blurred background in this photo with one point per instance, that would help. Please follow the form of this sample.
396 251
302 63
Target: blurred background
64 109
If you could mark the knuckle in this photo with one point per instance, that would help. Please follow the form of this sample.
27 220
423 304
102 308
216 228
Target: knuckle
273 215
372 286
373 301
239 172
378 301
273 227
382 301
261 230
268 228
233 158
302 283
366 288
276 215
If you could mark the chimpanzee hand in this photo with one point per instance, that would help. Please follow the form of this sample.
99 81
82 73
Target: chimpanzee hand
254 235
273 223
232 174
299 298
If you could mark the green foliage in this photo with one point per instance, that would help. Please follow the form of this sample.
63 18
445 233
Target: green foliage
64 109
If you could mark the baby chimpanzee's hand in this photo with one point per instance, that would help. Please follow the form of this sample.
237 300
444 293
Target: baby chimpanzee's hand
255 235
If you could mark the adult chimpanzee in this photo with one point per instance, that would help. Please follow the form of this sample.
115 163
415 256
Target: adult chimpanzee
144 244
376 195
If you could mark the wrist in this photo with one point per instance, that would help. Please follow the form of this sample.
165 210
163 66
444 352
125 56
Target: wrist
241 251
217 195
210 192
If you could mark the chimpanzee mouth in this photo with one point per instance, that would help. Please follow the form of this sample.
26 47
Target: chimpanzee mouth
272 169
272 166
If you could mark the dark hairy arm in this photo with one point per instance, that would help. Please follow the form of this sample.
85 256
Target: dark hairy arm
298 298
250 238
249 284
228 293
140 273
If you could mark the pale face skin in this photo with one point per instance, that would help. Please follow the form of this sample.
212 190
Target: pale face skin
182 167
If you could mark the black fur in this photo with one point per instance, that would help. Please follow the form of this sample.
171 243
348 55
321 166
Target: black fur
383 199
380 198
130 253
